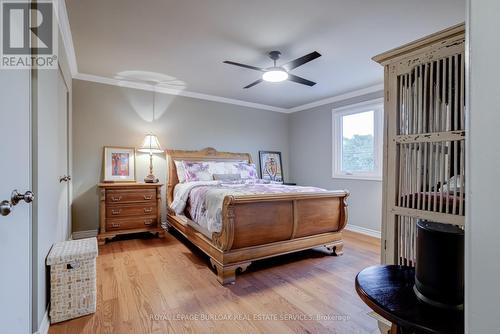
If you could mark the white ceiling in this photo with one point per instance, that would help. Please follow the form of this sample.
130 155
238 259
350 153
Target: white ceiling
183 42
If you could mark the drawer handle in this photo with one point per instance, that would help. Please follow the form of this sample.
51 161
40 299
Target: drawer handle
148 197
116 212
148 210
148 222
116 199
115 225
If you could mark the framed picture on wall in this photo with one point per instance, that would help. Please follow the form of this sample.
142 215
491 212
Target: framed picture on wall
271 167
119 164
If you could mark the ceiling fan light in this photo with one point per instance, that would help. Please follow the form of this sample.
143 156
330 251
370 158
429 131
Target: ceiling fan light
275 75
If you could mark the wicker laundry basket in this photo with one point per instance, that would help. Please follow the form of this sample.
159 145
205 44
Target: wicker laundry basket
72 279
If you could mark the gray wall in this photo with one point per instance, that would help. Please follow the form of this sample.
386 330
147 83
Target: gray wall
311 162
482 221
116 116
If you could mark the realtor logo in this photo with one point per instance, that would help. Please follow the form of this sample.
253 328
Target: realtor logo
28 36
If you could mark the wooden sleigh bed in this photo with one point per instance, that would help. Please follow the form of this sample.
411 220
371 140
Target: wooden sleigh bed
255 227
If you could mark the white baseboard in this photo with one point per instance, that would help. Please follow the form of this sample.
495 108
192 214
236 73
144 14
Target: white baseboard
363 230
44 326
84 234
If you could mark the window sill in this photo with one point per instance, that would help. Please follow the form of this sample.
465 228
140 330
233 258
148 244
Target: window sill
358 177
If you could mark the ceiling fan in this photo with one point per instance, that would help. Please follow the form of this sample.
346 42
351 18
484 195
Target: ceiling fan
280 73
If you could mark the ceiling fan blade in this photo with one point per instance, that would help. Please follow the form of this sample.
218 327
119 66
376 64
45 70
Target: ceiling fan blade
300 80
243 65
301 61
253 83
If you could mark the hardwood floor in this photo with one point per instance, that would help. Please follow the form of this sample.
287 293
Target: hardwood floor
165 285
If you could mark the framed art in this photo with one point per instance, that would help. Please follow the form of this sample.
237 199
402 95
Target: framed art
271 167
119 164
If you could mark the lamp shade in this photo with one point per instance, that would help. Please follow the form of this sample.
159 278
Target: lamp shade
150 144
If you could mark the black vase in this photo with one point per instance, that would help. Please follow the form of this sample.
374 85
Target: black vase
439 269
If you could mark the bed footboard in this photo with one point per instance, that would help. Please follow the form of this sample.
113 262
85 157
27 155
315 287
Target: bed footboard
255 220
255 227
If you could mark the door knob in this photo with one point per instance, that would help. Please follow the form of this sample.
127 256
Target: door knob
65 178
16 197
5 208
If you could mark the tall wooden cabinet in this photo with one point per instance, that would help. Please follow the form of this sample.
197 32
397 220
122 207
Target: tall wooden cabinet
424 139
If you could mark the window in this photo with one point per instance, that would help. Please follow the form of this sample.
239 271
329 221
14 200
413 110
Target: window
357 141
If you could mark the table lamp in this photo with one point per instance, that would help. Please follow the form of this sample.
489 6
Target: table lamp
150 145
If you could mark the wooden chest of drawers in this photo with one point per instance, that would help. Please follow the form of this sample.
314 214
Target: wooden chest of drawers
129 208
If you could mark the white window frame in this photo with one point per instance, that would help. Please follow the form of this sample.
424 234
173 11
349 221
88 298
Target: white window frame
377 106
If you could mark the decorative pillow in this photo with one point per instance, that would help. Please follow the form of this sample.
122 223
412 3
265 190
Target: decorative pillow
227 177
197 171
246 170
224 167
181 172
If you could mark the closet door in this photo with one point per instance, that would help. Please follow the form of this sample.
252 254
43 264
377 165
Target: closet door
53 220
15 221
63 161
52 165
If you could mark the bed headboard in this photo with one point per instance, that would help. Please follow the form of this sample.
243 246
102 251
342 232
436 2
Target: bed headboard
207 154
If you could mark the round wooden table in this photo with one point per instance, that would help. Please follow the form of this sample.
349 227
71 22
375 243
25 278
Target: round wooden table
388 290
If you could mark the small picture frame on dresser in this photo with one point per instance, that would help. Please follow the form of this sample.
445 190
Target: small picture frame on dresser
119 164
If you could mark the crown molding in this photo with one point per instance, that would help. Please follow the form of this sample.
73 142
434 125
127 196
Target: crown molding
377 102
170 91
338 98
63 22
143 86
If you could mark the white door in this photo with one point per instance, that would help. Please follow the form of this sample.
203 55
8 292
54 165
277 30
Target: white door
51 169
52 163
63 216
15 228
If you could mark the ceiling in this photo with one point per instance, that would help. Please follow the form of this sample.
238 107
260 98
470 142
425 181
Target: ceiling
182 43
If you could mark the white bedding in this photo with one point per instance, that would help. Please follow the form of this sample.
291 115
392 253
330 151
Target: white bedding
181 194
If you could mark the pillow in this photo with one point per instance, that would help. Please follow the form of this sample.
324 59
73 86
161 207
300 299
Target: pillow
181 172
197 171
227 177
224 167
246 170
